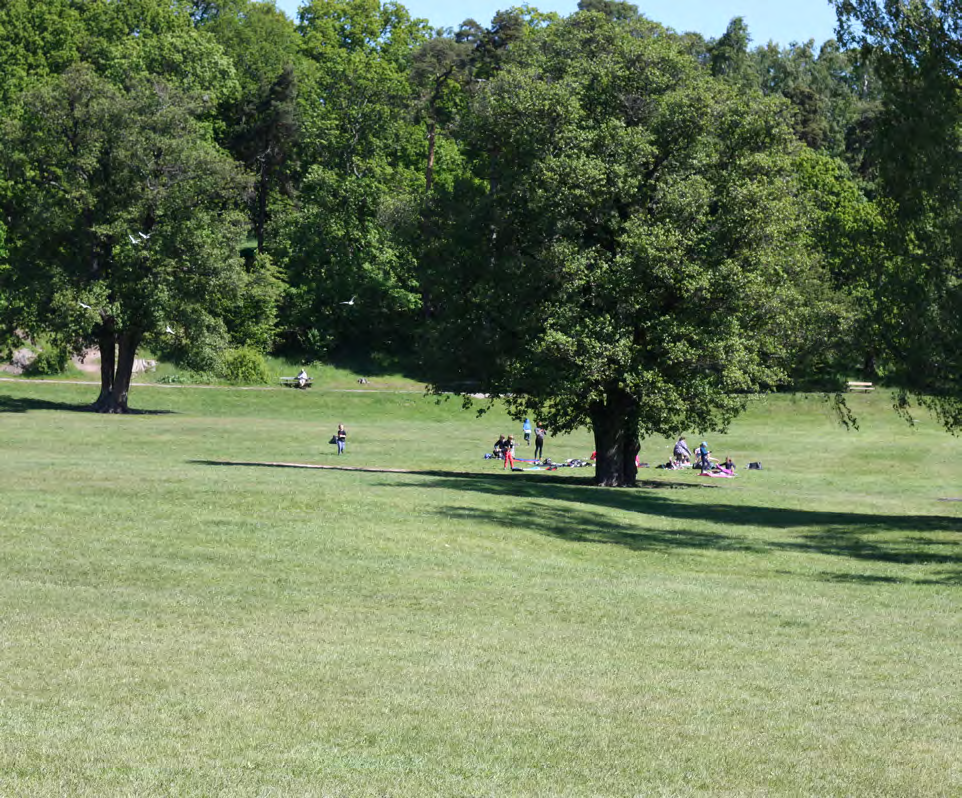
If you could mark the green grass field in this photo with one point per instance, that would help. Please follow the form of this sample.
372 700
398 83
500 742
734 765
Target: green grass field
176 620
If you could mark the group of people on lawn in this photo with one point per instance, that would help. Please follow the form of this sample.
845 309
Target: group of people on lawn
682 457
504 446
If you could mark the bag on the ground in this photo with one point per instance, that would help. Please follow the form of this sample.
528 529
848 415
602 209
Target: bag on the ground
754 466
333 439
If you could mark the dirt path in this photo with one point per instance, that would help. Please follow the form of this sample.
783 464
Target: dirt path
211 387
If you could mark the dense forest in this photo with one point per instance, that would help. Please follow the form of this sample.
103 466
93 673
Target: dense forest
604 221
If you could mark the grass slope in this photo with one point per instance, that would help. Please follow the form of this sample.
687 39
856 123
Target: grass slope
172 625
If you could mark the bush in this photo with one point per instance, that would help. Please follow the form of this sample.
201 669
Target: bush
48 362
244 366
187 378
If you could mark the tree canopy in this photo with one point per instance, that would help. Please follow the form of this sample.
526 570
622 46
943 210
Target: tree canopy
603 220
628 254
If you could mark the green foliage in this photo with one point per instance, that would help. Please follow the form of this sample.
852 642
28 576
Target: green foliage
728 57
252 319
244 366
48 362
637 260
187 377
613 9
361 192
130 203
547 198
850 233
915 48
37 40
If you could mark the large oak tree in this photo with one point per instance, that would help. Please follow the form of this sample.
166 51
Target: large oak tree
126 219
629 253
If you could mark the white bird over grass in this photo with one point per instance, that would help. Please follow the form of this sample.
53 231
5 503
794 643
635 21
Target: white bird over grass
350 301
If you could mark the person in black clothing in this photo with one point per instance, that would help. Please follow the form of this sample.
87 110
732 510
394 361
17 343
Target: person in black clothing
499 444
539 432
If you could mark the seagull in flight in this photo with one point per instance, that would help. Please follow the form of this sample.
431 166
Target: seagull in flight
169 331
144 236
134 241
85 307
350 301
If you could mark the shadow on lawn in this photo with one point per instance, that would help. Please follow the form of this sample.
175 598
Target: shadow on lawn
838 534
558 508
943 578
11 404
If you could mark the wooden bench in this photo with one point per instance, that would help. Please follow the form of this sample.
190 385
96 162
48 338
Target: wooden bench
863 387
294 382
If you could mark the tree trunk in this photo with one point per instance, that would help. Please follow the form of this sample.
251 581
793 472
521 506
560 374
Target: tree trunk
429 170
107 341
615 424
116 371
263 184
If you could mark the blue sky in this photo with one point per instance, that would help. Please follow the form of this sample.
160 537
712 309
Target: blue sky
783 21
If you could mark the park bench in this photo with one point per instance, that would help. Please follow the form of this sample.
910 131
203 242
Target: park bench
864 387
293 382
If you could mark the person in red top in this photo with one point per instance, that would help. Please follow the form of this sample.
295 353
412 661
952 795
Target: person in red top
509 453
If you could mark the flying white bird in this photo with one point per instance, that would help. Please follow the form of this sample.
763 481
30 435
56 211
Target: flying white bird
169 331
85 307
144 236
133 240
350 301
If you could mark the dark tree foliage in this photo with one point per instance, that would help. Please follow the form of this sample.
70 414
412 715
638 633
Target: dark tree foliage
125 219
916 145
628 253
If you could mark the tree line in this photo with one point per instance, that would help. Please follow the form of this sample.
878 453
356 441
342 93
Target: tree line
601 220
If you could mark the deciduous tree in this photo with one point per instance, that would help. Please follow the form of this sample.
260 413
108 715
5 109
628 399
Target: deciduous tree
126 219
628 253
916 49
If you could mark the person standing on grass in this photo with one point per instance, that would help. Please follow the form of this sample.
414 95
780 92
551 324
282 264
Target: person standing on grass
539 432
341 439
705 460
526 428
509 453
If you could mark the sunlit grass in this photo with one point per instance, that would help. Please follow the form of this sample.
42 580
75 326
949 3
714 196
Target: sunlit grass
173 623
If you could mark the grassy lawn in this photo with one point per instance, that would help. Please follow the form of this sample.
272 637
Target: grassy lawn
177 620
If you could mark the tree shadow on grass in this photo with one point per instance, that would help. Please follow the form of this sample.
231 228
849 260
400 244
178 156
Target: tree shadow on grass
585 526
859 536
558 508
12 404
952 578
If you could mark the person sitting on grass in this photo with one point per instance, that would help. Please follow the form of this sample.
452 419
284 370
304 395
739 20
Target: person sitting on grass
498 449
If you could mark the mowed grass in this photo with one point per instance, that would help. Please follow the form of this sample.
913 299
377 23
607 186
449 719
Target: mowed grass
178 620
